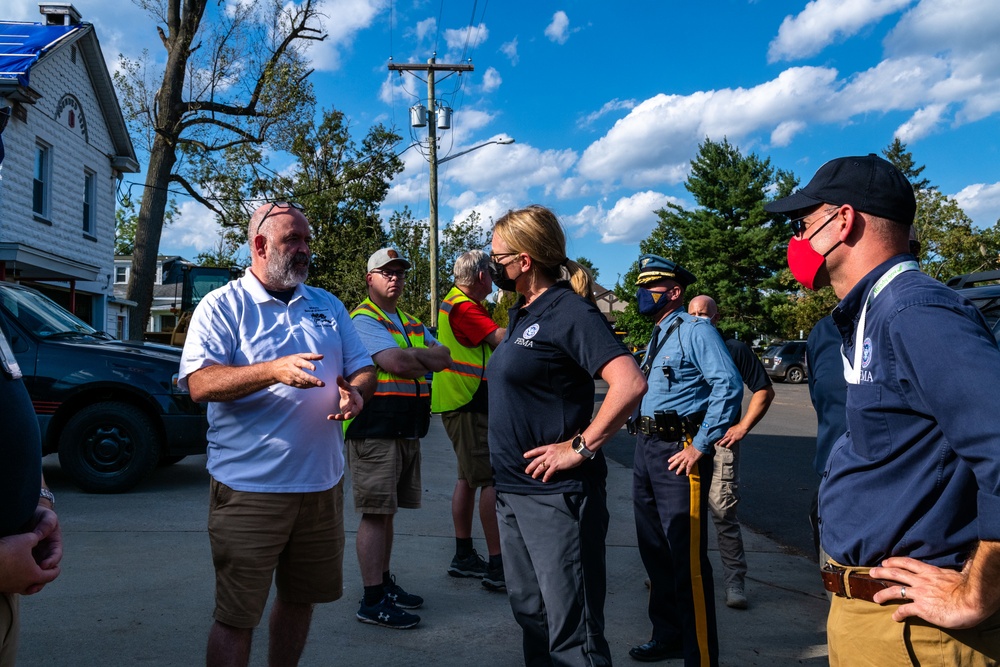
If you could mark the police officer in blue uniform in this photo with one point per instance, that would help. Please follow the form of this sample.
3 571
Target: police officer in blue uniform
909 505
694 396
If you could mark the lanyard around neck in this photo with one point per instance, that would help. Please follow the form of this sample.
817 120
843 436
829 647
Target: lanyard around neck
853 374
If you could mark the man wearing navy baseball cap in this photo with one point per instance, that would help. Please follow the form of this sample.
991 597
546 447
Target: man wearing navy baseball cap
909 505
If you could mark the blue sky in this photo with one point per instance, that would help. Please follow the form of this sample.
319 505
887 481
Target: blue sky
608 103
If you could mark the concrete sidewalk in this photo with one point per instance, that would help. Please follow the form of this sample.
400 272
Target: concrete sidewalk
137 586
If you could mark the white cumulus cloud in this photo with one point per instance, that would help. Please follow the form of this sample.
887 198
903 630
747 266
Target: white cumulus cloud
558 30
194 227
921 123
981 202
491 80
632 218
824 21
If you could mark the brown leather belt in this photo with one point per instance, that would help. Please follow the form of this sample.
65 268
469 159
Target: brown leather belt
853 584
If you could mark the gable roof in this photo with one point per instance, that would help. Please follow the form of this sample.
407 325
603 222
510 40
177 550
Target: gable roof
23 45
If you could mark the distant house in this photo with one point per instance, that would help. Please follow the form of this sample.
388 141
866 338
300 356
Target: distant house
608 302
66 147
168 288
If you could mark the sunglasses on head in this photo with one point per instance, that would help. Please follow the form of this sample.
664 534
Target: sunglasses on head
274 205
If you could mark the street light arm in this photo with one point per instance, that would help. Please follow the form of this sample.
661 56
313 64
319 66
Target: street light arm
503 141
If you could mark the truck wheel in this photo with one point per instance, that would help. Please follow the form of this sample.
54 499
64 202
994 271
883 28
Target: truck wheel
109 447
795 375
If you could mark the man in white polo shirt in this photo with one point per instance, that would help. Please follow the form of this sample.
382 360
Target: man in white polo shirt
276 360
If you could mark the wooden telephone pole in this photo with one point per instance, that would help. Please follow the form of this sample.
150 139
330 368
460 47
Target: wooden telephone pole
431 67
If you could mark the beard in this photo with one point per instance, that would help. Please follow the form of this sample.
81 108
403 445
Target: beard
287 271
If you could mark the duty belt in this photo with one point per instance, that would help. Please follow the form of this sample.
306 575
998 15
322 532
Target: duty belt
852 583
683 426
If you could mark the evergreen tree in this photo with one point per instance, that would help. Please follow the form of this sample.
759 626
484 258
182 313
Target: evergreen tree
729 242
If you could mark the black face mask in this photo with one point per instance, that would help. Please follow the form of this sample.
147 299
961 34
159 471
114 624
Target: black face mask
498 274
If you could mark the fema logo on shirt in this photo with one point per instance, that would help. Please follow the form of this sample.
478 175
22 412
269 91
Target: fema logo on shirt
524 340
866 353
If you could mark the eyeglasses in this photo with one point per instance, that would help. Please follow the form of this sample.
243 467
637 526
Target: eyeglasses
496 257
799 225
390 274
274 205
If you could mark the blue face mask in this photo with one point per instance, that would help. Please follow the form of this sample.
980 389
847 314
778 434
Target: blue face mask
650 303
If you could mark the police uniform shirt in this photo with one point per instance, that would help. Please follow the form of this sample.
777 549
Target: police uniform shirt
542 387
918 472
691 373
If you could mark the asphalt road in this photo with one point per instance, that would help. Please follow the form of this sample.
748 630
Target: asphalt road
777 478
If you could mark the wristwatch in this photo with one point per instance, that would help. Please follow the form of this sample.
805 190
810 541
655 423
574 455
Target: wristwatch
580 447
48 495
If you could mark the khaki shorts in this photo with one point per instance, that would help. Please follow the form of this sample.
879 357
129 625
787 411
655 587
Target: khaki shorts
385 474
10 627
296 538
467 431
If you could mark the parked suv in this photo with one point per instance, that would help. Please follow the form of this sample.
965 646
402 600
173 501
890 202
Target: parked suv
111 409
787 361
986 297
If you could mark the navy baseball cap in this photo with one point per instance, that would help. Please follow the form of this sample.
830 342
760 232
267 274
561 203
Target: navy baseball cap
654 267
868 183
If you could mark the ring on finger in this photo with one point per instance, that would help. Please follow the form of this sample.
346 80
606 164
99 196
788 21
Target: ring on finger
902 592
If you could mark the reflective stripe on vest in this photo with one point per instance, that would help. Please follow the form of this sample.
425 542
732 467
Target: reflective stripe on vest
389 384
456 385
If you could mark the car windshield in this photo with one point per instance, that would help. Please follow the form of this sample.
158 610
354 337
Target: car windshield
42 316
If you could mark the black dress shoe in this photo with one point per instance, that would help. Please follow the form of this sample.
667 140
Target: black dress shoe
654 651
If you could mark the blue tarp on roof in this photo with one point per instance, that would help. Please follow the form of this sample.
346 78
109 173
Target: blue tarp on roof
22 44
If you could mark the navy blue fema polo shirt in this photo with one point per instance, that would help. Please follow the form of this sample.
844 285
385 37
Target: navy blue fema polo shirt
541 380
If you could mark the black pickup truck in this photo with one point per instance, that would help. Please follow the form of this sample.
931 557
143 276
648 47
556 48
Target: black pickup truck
111 409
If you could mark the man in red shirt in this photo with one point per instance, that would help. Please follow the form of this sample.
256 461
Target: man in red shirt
459 394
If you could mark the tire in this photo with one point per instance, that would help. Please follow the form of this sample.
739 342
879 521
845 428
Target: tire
794 375
109 447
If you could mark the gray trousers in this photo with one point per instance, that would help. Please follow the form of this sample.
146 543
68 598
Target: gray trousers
723 498
556 574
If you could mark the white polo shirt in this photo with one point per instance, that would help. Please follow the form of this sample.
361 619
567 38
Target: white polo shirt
278 439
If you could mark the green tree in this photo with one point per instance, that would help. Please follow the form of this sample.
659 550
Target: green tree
341 185
231 80
411 238
902 159
127 220
583 261
950 245
729 242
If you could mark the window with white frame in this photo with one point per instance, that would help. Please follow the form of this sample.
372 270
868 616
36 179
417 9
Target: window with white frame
89 202
42 183
121 274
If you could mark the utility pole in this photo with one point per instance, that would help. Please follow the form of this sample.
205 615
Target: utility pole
431 67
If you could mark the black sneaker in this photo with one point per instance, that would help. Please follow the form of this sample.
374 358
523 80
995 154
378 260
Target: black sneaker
472 565
386 614
395 593
494 580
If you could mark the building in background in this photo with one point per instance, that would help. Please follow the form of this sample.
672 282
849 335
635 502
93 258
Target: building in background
66 147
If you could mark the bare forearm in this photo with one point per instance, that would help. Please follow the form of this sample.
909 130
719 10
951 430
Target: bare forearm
981 574
626 386
759 403
364 380
228 383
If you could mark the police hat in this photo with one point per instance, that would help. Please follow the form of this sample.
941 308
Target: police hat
868 183
654 267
